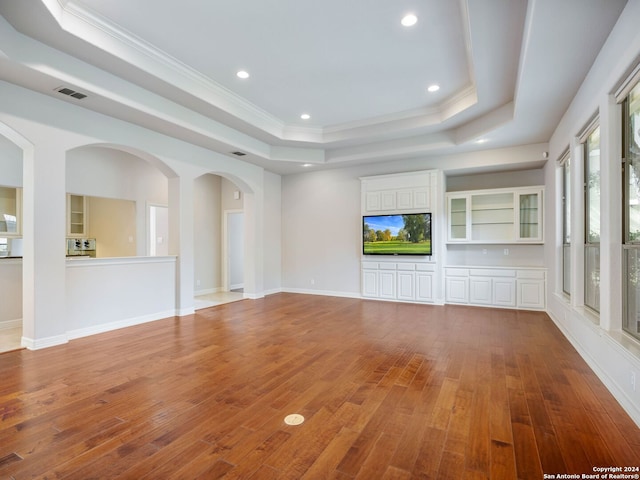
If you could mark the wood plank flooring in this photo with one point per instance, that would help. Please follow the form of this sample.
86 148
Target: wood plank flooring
388 391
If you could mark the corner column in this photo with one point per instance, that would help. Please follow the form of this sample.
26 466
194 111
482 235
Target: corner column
181 240
44 263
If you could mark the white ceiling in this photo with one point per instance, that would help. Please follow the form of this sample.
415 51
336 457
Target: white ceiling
507 71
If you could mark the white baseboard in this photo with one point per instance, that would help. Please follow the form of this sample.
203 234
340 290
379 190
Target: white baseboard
615 350
207 291
129 322
7 324
39 343
272 291
236 286
326 293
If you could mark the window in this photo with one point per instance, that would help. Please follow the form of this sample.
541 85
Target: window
592 220
566 224
631 211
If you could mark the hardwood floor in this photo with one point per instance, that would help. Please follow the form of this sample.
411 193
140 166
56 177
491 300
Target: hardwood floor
388 391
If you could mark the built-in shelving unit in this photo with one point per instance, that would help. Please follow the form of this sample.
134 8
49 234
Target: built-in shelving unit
76 215
495 216
510 287
401 278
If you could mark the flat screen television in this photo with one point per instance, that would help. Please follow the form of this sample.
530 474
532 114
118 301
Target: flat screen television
402 234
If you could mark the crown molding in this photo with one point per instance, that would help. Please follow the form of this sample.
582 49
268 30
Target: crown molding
75 18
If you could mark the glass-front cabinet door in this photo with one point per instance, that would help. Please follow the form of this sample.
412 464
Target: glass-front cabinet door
529 220
458 218
10 211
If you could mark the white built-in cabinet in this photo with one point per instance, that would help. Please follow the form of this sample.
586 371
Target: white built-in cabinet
506 215
522 288
404 199
404 281
400 278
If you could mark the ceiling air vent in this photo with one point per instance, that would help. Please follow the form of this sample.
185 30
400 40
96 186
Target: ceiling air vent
71 93
239 154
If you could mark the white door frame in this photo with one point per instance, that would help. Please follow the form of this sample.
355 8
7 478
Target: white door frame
225 246
148 224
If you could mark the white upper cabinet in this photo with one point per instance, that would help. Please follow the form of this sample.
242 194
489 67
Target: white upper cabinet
398 193
76 215
495 216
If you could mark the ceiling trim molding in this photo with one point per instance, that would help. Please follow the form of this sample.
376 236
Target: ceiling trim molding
78 20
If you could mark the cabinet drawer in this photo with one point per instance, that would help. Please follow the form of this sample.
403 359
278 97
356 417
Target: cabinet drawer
387 266
407 266
370 265
425 267
531 274
487 272
456 272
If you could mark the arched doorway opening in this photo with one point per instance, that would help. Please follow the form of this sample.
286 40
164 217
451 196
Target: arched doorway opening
219 243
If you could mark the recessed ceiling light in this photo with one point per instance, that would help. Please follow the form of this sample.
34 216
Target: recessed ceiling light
409 20
242 74
433 88
482 140
306 165
305 116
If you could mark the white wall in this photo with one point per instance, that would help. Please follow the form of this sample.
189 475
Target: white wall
48 129
612 354
110 293
207 238
11 288
321 232
321 219
10 164
272 232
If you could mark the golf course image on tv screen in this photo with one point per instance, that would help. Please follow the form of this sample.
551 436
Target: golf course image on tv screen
402 234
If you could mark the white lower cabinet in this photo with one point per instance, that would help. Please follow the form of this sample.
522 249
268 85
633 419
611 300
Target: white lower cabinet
504 292
406 281
531 290
424 287
457 286
406 285
480 290
369 282
497 287
387 284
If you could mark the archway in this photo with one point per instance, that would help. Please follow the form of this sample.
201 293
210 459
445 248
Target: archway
219 243
16 151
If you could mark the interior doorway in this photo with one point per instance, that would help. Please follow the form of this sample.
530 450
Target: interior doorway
158 236
234 250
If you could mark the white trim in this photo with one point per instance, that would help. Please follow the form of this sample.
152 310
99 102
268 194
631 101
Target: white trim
564 157
588 129
628 84
111 261
147 224
207 291
129 322
39 343
225 248
325 293
628 404
7 324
